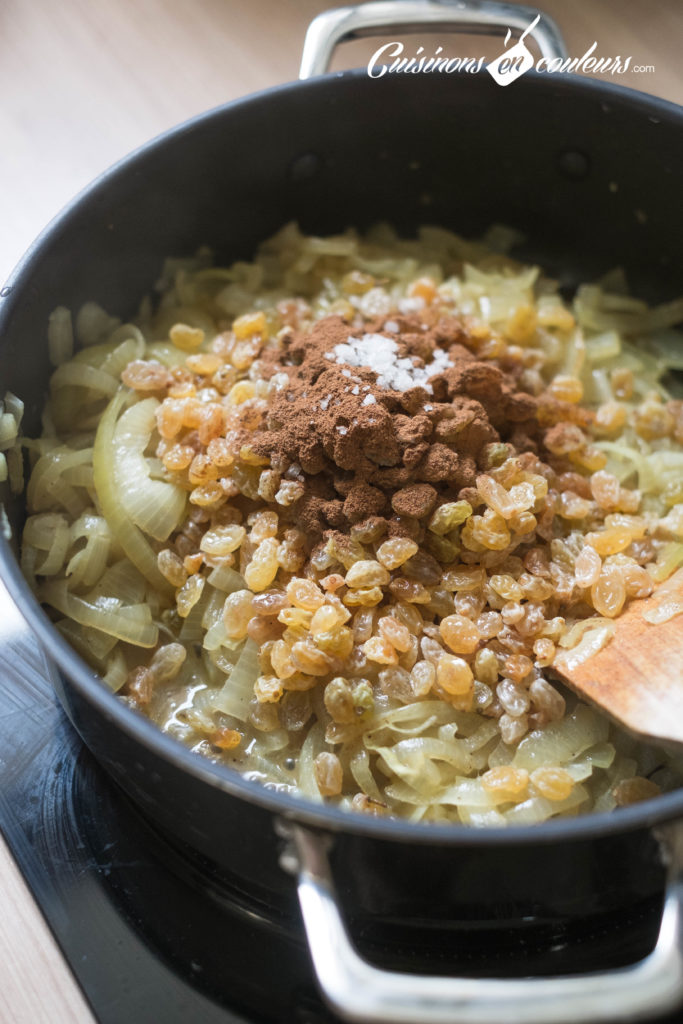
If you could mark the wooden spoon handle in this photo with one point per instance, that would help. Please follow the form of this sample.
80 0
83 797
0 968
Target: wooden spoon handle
638 677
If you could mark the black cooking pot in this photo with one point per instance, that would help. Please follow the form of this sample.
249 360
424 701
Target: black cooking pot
590 174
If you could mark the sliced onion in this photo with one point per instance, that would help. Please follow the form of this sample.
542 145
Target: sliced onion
624 460
155 506
213 607
192 630
359 763
663 612
312 746
476 818
471 793
668 346
130 347
15 469
132 623
238 690
60 336
411 719
668 560
600 756
561 742
81 375
576 633
14 405
603 346
93 324
47 488
117 671
89 642
8 430
215 636
413 761
592 641
129 536
123 581
46 532
538 808
225 579
88 564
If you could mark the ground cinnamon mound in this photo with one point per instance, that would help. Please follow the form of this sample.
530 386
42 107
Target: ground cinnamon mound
367 450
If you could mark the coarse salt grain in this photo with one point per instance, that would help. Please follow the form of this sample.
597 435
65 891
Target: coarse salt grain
325 402
411 304
342 430
391 326
380 354
369 400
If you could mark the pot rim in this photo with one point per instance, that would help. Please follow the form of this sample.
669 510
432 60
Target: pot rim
221 777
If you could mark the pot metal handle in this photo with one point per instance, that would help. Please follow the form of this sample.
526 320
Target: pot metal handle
357 991
480 17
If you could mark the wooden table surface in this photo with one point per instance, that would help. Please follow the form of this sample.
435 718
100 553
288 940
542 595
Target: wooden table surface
85 81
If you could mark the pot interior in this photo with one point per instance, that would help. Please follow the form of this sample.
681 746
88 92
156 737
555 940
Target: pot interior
552 159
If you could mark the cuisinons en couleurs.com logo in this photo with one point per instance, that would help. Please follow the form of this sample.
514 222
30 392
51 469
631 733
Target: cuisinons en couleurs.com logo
512 63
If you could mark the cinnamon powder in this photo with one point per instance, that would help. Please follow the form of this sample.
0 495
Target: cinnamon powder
366 450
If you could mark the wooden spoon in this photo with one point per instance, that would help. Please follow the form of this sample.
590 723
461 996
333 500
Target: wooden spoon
638 677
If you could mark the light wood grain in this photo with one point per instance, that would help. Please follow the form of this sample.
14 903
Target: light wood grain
36 987
638 677
85 81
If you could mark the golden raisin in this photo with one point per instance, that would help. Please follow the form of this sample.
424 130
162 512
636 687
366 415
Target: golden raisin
367 573
268 689
237 612
631 791
380 650
328 774
608 593
454 675
263 566
553 783
305 594
393 553
226 739
329 617
460 633
250 323
395 632
186 338
506 782
566 389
